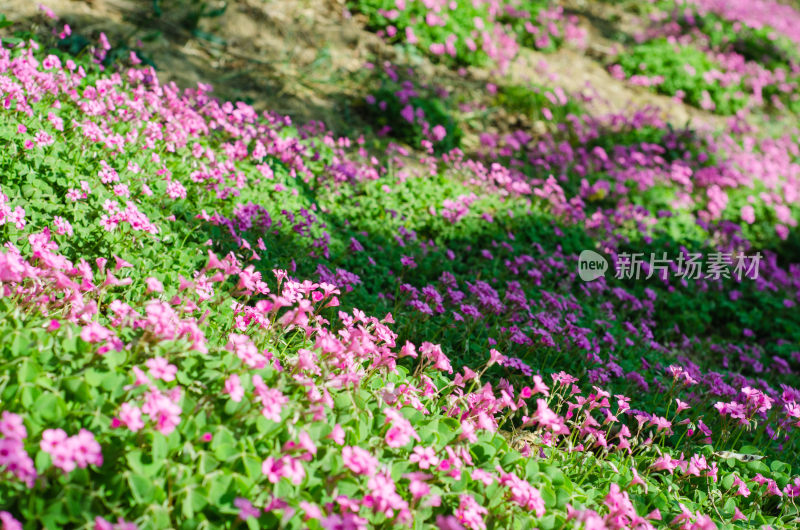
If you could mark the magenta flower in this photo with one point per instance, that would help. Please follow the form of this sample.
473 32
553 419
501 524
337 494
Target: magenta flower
470 513
8 521
401 432
246 509
131 417
434 354
68 452
664 463
359 461
160 368
748 214
424 457
11 426
522 493
233 387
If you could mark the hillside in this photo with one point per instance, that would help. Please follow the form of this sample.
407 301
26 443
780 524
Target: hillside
386 263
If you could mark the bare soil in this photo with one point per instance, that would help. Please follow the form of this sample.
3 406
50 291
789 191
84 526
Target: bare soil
304 58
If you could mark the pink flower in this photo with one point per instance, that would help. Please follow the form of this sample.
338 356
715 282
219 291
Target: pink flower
233 387
496 357
696 464
275 469
408 261
175 190
68 452
448 522
433 353
246 509
661 424
272 467
792 489
383 498
131 417
11 426
539 387
63 227
163 409
153 285
161 369
437 48
51 439
359 461
548 419
312 510
417 487
293 470
773 489
401 431
409 350
8 522
424 457
748 214
470 513
522 492
337 434
664 463
272 400
120 263
408 113
637 480
741 488
246 351
94 332
85 449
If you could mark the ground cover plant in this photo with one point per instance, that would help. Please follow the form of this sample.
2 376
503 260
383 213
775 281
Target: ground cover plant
470 33
214 317
719 56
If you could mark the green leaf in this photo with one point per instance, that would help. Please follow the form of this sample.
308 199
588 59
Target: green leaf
555 474
141 488
78 389
779 467
758 467
50 407
193 502
548 522
159 451
219 484
29 370
531 469
483 452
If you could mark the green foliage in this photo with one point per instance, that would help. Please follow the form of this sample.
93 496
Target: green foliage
761 45
311 217
459 22
532 102
426 112
527 17
683 69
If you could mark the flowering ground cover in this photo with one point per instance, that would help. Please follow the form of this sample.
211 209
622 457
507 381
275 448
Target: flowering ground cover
471 33
721 56
214 317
